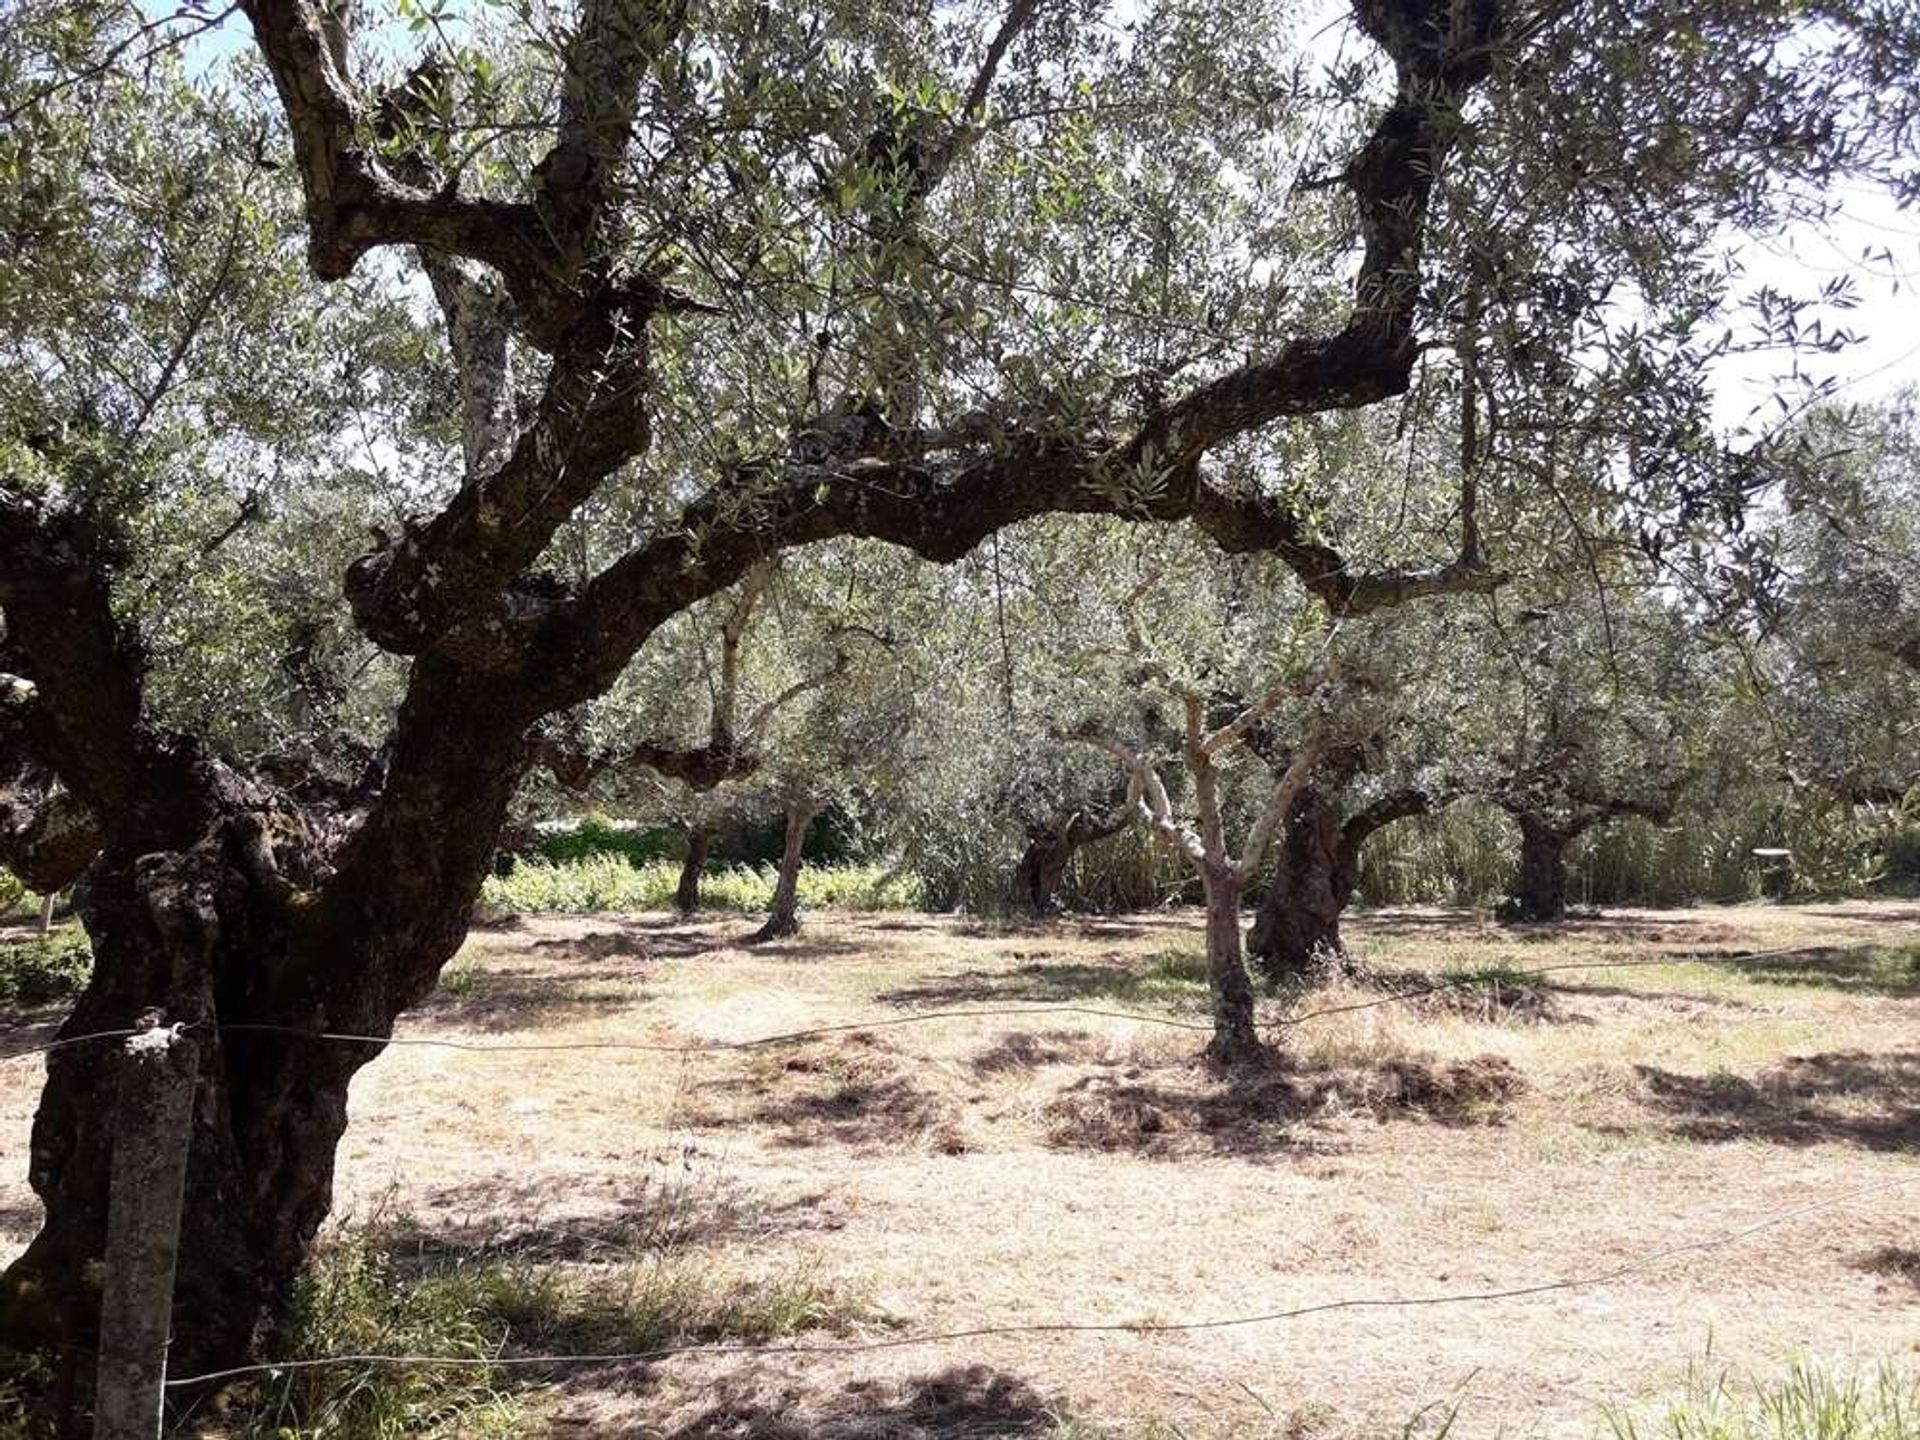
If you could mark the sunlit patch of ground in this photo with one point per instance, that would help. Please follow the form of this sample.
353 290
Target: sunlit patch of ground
1067 1162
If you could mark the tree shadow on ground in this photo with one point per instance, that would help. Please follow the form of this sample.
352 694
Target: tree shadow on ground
638 941
1073 927
1060 982
1494 996
804 946
27 1030
1896 1262
1856 969
579 1219
858 1090
1120 927
1850 1097
964 1401
1596 925
1413 922
1881 914
1065 981
1168 1114
1684 999
506 998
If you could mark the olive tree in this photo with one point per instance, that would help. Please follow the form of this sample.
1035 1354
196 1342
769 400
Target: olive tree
713 282
1592 712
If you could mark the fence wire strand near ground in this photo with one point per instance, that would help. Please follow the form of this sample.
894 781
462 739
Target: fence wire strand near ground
923 1017
1070 1327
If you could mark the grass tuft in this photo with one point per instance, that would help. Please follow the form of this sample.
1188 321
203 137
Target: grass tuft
357 1299
351 1301
1811 1403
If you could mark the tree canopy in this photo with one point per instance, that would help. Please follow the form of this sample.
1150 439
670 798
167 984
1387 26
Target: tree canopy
401 400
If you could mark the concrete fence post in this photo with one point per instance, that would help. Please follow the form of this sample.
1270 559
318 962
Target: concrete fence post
153 1126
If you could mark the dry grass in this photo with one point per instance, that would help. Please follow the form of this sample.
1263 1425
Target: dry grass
961 1172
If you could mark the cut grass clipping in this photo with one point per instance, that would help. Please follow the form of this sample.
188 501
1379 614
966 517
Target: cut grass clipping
358 1299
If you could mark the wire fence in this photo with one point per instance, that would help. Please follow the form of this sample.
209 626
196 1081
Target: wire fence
1441 985
1722 1237
1638 1264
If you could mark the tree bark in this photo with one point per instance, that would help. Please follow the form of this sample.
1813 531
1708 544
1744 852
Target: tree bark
1540 889
1236 1041
1051 845
1043 865
234 933
1297 925
785 919
686 895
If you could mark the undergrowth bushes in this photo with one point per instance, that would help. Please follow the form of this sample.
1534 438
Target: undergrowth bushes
596 836
13 895
1466 856
44 970
607 882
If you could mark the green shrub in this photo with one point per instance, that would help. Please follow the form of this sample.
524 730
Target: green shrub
1903 859
596 835
609 883
44 970
1811 1403
13 894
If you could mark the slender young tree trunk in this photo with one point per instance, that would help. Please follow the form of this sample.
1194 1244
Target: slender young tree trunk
1235 1040
1540 889
686 895
785 919
1297 925
46 913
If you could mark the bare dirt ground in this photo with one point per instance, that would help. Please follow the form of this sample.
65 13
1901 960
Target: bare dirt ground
1006 1169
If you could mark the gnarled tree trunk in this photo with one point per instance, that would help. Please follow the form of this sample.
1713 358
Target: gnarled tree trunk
1540 888
232 931
1297 924
1051 844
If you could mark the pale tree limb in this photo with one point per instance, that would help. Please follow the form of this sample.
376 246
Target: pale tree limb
1236 730
1286 790
1146 792
757 725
